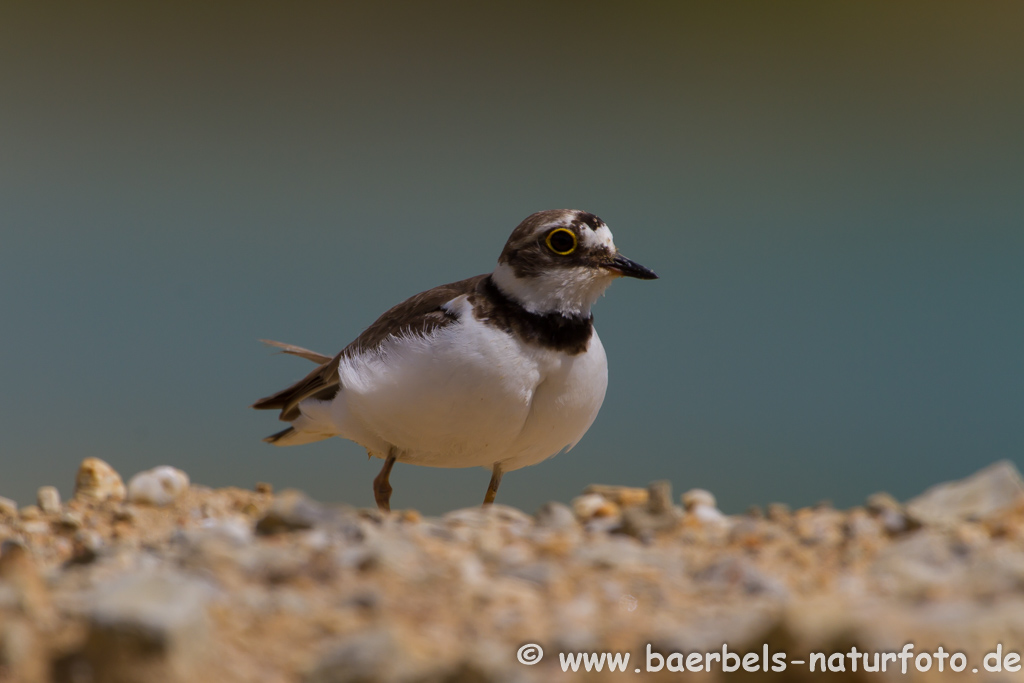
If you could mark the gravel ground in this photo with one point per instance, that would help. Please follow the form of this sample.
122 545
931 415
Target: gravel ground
161 580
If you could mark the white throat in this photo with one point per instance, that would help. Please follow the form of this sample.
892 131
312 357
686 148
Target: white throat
569 291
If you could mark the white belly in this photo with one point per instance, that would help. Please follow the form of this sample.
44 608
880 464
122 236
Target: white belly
564 406
469 395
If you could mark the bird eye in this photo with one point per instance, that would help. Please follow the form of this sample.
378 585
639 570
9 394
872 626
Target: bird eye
561 241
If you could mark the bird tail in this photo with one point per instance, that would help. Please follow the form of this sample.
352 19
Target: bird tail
318 384
293 437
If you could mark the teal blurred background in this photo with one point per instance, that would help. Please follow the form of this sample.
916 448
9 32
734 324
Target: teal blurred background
832 193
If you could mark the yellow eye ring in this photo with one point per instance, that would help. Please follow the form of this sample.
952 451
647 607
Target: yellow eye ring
557 243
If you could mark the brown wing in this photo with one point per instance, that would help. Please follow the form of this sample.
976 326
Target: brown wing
417 315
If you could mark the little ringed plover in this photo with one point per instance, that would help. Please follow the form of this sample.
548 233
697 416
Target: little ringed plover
501 370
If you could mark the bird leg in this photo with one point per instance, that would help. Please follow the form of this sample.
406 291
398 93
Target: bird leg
492 488
381 486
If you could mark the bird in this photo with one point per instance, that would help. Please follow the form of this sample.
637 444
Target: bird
502 370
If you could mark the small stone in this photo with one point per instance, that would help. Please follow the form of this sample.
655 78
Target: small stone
236 531
126 513
48 498
264 487
603 525
895 522
890 512
85 546
410 516
38 527
860 525
71 520
374 515
750 532
482 516
8 507
969 537
148 627
30 512
779 512
659 497
623 496
818 526
251 510
89 539
708 514
291 511
614 553
556 516
882 502
19 571
728 573
539 573
695 497
985 493
701 506
98 481
591 505
643 524
158 486
368 657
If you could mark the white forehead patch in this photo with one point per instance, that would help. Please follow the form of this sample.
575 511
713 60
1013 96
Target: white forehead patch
595 239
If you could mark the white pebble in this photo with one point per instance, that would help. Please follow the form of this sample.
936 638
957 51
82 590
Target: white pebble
587 505
158 486
235 529
698 497
701 504
708 514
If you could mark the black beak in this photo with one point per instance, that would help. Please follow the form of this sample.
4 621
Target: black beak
623 266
